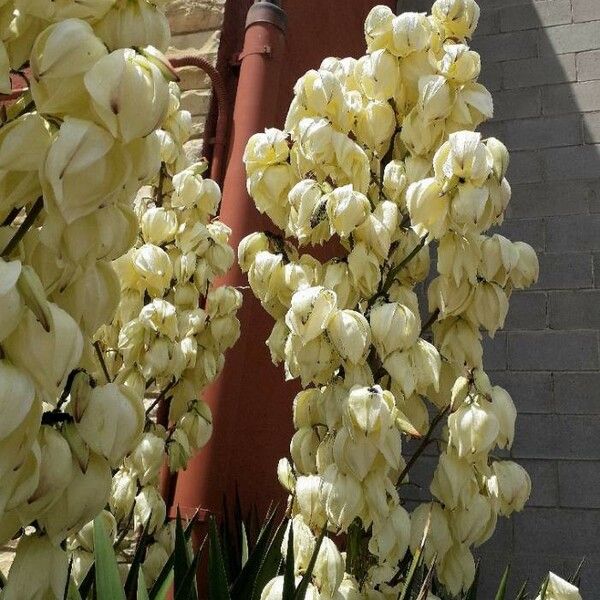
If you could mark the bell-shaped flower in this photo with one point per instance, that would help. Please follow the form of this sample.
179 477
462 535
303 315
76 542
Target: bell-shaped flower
329 568
489 307
84 497
85 536
456 570
153 267
134 24
48 356
145 462
459 256
431 519
428 207
55 473
378 28
454 482
364 269
39 570
350 333
311 311
129 94
346 209
60 58
391 536
150 510
123 492
265 149
394 327
527 269
377 74
506 413
458 341
342 497
509 485
110 419
308 502
559 589
83 156
473 428
459 18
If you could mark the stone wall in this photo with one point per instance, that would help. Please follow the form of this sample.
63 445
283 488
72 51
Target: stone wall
196 26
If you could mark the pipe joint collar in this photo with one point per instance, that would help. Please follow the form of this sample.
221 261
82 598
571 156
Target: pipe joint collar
267 11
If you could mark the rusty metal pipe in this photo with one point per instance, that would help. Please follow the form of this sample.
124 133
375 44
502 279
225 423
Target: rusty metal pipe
222 127
215 471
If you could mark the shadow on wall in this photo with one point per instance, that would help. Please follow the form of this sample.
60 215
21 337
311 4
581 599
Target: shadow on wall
541 61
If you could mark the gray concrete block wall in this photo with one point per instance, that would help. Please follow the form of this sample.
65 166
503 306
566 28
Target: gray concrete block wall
541 58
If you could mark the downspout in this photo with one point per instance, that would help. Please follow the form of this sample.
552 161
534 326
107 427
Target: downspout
209 476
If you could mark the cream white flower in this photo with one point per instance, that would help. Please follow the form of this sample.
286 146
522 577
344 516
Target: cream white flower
510 485
39 569
83 156
311 311
559 589
110 418
473 428
129 94
350 333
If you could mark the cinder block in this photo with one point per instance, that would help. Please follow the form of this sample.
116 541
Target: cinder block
529 134
591 128
577 37
491 76
576 309
518 104
527 311
535 16
548 199
196 101
553 351
525 167
597 270
586 10
531 391
574 163
557 437
588 65
565 271
571 475
489 22
571 98
577 393
494 352
539 71
532 231
507 46
573 233
544 479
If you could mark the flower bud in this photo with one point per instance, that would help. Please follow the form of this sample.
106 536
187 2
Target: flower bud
129 94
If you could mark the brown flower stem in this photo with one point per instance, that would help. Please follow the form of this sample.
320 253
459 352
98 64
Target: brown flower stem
29 220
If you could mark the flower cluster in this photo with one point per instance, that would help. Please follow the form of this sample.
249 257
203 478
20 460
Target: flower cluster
168 336
100 120
379 160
